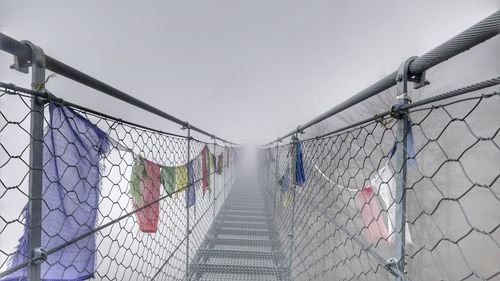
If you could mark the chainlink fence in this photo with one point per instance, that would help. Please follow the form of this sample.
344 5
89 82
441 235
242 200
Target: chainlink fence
121 250
341 224
411 193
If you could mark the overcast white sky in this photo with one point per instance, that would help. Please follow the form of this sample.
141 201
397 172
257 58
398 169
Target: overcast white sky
245 70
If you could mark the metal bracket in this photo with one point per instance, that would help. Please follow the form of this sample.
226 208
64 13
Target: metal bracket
419 80
22 64
402 79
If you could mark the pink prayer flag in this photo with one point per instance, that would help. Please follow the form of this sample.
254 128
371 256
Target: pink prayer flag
370 211
150 190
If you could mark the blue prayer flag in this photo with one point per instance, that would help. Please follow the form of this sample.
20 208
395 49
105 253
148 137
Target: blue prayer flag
300 175
410 147
285 180
70 186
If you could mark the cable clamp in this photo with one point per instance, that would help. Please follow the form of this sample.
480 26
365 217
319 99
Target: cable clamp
396 110
39 255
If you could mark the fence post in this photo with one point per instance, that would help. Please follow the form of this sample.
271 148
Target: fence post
214 175
224 172
292 226
275 180
402 99
36 252
188 230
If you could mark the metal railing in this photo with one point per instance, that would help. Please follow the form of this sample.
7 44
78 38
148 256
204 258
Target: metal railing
480 32
151 237
397 195
408 194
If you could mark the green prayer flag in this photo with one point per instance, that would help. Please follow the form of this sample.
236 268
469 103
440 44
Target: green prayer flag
167 179
211 163
138 173
288 199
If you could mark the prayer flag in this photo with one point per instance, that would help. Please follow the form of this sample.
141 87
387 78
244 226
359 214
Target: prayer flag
167 179
219 163
284 181
300 176
181 178
370 212
288 198
384 186
205 181
70 186
212 163
149 192
410 147
190 191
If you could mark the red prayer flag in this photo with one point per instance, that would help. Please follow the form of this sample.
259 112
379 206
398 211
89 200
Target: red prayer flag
204 172
150 191
370 211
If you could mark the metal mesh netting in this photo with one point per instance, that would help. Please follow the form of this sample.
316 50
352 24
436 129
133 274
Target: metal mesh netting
122 251
340 225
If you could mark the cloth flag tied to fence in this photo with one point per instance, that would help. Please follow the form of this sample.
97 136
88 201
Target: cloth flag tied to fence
410 146
205 181
384 185
370 212
190 191
300 175
167 179
213 162
284 181
181 178
145 189
70 186
220 160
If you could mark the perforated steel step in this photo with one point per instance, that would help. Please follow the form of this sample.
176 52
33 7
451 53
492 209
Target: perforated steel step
249 242
261 219
241 254
236 231
242 243
239 269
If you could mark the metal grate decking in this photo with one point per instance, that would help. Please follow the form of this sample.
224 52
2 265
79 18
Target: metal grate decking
242 243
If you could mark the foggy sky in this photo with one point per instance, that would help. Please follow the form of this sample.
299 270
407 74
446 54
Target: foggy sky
245 70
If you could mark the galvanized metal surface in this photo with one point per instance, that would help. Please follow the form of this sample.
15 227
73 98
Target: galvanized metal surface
242 243
476 34
36 163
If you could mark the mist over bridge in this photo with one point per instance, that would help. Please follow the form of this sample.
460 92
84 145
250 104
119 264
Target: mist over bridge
408 193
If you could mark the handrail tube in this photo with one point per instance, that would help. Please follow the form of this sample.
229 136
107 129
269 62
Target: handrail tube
16 48
479 32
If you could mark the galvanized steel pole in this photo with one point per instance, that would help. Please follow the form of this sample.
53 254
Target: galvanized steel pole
401 156
215 173
292 227
224 173
36 164
274 179
188 230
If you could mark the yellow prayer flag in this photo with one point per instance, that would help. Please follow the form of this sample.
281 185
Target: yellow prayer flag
181 178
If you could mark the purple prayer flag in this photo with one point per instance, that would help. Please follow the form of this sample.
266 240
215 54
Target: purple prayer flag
71 177
190 190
